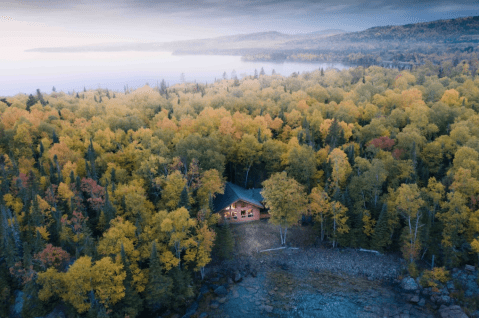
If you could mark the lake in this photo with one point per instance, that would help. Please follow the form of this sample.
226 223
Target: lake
24 72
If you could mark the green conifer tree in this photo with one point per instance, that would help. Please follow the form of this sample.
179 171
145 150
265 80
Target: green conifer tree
159 287
224 242
380 237
131 304
185 199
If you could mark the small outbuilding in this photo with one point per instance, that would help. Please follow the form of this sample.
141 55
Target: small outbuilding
238 204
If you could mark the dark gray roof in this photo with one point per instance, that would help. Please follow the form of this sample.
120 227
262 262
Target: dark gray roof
234 193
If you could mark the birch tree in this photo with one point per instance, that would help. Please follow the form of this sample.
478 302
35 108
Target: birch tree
286 200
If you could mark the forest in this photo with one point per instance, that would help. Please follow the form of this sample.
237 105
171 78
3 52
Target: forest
106 197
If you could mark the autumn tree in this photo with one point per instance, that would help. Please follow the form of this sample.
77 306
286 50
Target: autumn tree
409 204
286 201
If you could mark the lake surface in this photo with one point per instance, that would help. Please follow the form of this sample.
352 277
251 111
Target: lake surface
24 72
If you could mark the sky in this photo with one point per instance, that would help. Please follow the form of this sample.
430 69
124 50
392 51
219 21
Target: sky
46 23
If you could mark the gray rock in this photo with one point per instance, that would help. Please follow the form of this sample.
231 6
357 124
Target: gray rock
191 310
221 291
414 299
237 277
421 302
451 312
444 299
204 289
268 308
409 284
450 285
472 288
470 268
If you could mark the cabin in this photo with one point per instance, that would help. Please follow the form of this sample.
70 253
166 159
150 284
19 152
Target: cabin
238 205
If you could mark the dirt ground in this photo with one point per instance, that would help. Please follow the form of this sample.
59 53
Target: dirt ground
255 236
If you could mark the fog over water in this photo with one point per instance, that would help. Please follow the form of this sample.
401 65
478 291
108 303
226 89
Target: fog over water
28 71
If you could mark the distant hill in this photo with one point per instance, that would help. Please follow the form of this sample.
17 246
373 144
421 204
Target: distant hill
451 31
260 40
464 31
328 32
460 29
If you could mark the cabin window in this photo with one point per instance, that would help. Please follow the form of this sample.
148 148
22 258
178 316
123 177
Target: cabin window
243 204
234 215
250 213
227 215
243 213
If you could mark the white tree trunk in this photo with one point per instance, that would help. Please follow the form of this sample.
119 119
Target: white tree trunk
281 234
202 272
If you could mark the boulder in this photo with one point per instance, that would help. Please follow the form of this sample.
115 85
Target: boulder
221 291
191 310
409 284
470 268
237 277
214 305
268 308
451 312
421 302
414 299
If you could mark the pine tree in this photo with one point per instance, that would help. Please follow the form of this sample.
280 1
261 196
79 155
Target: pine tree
90 157
9 249
32 305
381 233
182 286
40 97
184 199
109 211
131 304
5 289
159 287
31 101
55 138
224 242
333 138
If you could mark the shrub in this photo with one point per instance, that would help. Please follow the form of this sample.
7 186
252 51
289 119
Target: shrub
439 275
412 269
